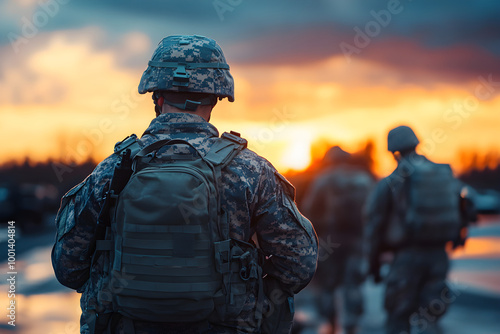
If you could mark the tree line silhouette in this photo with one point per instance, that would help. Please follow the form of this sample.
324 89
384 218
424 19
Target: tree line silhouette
482 172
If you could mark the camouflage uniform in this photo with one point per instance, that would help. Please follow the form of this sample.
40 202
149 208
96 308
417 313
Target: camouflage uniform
416 292
334 205
256 197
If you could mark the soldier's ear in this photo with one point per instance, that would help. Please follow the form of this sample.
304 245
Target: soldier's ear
159 105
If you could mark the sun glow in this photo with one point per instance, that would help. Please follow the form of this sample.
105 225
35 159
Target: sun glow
297 155
81 101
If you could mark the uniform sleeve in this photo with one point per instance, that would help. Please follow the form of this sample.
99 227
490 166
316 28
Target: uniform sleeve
284 233
75 224
376 213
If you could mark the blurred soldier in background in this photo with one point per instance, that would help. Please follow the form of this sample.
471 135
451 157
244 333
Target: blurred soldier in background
413 213
334 204
173 248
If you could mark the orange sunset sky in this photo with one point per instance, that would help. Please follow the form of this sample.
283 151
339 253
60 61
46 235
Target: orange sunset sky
68 87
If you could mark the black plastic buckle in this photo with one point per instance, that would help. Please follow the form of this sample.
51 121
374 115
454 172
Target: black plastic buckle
125 143
234 138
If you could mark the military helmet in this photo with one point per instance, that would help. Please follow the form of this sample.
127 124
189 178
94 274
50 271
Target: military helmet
401 138
336 155
188 64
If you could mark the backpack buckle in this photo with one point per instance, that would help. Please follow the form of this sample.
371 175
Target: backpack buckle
235 138
222 256
125 143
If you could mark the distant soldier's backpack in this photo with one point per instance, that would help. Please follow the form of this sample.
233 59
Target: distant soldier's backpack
350 188
433 206
171 258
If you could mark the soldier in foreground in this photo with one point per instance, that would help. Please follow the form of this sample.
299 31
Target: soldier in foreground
413 213
158 239
334 204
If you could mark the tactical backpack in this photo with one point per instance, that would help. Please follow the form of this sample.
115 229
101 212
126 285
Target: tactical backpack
433 212
350 189
170 255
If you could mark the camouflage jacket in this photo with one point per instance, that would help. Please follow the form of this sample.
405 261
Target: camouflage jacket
259 201
386 205
381 210
335 200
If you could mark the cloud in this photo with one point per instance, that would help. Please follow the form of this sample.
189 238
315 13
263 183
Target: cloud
457 64
59 66
83 67
75 98
279 32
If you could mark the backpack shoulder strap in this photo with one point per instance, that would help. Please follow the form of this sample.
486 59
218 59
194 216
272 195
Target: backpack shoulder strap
121 175
220 155
225 149
131 143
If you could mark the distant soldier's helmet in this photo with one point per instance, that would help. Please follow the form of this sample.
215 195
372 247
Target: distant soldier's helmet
336 155
401 138
192 64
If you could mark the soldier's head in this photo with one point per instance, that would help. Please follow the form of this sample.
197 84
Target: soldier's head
187 74
402 141
336 156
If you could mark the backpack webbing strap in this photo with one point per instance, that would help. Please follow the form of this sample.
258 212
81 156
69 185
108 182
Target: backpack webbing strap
104 245
220 155
171 287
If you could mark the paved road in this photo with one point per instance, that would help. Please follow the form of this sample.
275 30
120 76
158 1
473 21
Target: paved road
474 280
468 314
44 306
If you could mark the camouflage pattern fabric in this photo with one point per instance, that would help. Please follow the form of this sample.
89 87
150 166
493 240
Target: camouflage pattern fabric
188 50
416 293
256 197
417 275
334 204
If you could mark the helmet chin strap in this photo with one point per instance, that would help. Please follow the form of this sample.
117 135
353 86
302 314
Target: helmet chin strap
156 99
188 105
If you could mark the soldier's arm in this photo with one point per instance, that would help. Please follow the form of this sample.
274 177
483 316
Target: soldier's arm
75 223
376 210
284 233
376 214
314 205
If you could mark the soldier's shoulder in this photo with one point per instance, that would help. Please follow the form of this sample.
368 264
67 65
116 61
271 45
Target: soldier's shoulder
105 168
253 163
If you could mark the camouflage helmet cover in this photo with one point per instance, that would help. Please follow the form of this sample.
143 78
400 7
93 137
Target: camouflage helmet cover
188 64
401 138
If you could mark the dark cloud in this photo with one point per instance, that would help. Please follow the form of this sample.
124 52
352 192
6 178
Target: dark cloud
453 40
288 46
459 63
